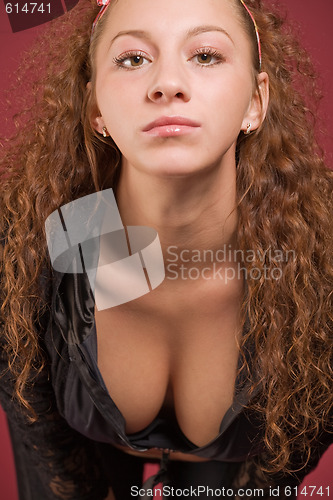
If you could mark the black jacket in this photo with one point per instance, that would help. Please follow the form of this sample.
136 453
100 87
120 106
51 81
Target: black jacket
67 453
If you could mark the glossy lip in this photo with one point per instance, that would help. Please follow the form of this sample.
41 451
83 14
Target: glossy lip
167 126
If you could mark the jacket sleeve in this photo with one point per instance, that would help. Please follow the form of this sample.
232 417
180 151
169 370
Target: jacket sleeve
53 461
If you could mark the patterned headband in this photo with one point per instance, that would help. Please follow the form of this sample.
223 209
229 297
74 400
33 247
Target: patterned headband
256 30
104 4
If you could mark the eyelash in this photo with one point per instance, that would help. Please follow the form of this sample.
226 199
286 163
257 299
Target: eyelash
210 52
119 61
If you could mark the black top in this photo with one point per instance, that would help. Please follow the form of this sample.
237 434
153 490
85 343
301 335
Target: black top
62 455
88 407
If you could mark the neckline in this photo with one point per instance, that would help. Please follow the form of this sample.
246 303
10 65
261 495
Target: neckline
240 399
82 307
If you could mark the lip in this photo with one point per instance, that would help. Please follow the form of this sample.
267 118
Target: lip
166 126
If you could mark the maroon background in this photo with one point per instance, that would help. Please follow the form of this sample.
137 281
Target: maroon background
35 15
315 21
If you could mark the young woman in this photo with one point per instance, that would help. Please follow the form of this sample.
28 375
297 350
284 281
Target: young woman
194 114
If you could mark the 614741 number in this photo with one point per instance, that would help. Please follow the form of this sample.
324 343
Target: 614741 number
307 491
28 8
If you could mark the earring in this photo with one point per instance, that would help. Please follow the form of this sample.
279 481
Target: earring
105 132
248 129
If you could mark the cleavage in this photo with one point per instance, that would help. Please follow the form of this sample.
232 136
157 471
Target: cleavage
186 372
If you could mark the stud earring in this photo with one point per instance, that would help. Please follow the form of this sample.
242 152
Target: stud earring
248 129
105 132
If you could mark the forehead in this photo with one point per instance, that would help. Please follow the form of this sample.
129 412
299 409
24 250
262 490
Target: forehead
167 18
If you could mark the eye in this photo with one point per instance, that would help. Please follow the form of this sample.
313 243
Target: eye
208 57
131 60
134 61
204 58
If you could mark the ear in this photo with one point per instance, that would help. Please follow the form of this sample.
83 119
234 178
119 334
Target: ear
95 118
257 109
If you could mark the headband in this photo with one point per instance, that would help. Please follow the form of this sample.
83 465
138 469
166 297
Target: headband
256 30
104 4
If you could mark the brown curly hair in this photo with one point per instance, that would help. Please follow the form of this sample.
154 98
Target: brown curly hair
284 202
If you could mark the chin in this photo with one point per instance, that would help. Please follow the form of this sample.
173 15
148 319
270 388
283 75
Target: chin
175 164
172 169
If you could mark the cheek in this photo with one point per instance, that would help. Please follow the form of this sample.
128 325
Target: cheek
232 100
119 113
225 110
117 103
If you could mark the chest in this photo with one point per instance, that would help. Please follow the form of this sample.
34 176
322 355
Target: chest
171 354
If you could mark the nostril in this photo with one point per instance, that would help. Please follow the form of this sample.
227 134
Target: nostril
159 95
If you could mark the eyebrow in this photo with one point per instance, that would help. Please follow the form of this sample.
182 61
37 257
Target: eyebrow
205 29
135 33
191 32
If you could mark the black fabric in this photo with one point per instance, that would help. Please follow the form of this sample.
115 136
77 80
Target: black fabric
231 479
89 408
68 454
52 460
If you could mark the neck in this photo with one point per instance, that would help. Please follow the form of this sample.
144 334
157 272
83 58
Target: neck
195 211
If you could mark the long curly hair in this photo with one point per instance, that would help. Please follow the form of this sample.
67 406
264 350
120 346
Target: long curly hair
284 202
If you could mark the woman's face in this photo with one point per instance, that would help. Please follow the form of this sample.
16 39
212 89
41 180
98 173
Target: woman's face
174 83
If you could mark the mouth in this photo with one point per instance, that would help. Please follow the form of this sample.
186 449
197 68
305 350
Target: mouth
171 126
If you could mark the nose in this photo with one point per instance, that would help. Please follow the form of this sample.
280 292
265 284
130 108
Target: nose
169 82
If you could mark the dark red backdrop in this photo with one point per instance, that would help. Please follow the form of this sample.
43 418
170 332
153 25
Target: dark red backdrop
315 20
